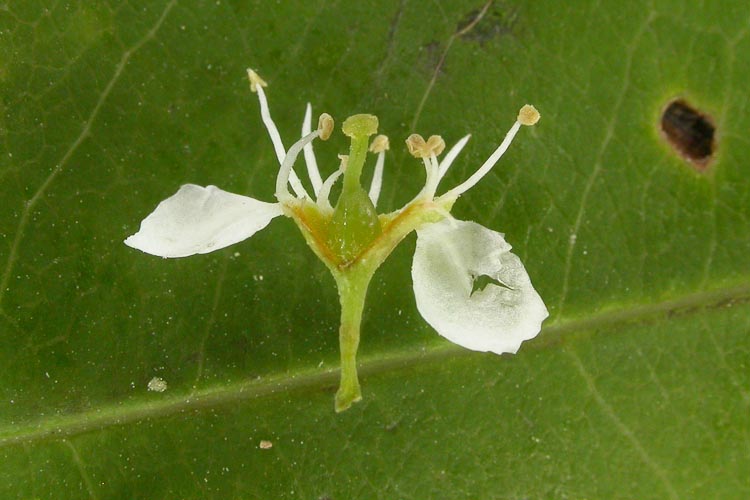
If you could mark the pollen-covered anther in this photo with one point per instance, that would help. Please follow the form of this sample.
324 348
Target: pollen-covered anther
436 144
325 126
417 146
528 115
255 80
380 144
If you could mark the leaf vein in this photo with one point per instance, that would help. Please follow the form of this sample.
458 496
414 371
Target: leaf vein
620 425
441 61
608 135
81 466
65 426
29 205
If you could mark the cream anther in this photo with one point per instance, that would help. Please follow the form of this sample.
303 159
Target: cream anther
419 148
528 115
380 144
344 162
255 80
436 144
325 126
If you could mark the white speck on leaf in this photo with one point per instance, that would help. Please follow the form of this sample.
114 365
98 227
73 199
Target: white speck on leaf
157 384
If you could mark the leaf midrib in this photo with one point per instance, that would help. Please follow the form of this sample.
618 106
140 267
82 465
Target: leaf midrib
64 426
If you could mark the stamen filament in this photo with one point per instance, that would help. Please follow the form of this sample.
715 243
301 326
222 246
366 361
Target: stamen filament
379 146
273 132
312 164
451 156
282 193
432 171
377 179
325 190
486 167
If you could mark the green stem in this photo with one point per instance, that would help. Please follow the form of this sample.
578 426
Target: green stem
352 291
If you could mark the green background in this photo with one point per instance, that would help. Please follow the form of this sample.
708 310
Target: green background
638 385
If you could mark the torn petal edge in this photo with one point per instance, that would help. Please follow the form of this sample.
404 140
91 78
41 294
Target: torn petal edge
497 319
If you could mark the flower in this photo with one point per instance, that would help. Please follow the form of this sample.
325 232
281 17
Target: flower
452 258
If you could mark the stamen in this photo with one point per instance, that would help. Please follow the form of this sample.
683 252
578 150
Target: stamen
431 182
419 148
312 164
379 145
256 85
297 187
325 126
255 80
428 151
284 176
452 155
527 116
344 162
325 191
436 144
344 159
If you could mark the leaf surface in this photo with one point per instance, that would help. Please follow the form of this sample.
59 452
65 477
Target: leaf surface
638 385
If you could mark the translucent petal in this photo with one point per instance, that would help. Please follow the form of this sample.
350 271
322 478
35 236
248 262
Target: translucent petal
450 256
200 219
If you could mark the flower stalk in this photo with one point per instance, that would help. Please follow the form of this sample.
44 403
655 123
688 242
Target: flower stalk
352 287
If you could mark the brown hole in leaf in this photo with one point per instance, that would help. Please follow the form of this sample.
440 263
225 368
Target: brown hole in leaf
690 132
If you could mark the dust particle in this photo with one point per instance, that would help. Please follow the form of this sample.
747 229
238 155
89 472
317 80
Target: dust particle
157 384
265 445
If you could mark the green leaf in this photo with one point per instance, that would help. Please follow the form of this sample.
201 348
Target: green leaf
637 387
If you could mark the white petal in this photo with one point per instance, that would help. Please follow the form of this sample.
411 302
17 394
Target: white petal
199 219
450 254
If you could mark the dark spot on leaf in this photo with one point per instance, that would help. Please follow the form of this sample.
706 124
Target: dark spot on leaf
690 132
482 281
431 58
499 20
